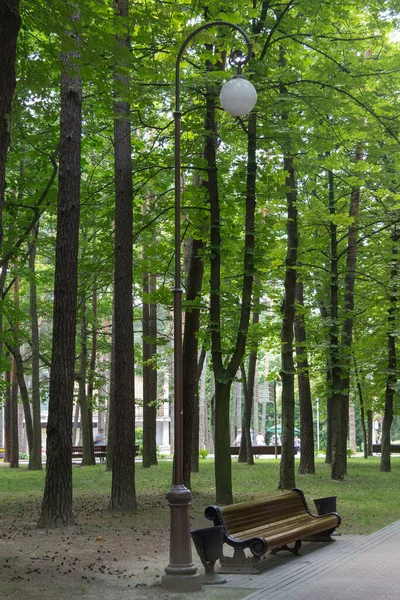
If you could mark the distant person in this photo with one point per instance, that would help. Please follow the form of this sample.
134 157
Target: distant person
297 444
276 442
99 441
260 440
238 438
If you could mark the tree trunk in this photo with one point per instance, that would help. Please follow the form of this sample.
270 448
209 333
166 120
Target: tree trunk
19 369
1 426
111 398
362 411
56 508
9 27
7 413
352 427
224 492
391 376
92 367
370 419
190 394
123 494
35 458
14 442
149 389
87 454
154 372
245 451
307 463
222 461
198 433
75 425
287 476
341 409
204 427
333 377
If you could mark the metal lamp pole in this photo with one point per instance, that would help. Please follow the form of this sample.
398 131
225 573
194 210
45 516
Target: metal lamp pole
180 574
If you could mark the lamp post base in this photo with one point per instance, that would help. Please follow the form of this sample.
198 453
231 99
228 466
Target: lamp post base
182 583
181 574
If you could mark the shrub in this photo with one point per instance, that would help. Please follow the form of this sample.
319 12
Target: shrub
203 453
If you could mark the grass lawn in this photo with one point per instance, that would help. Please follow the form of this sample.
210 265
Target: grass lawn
367 499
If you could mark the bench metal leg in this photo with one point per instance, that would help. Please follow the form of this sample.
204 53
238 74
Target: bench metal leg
239 563
294 550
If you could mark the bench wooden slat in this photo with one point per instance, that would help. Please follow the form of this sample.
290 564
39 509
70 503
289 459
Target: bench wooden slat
394 448
279 531
263 450
99 451
262 511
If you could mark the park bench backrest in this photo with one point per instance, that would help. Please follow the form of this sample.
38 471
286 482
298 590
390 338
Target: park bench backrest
246 515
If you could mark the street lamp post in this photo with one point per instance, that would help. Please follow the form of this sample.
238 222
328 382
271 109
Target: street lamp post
238 97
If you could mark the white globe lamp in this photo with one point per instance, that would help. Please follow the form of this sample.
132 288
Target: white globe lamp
238 96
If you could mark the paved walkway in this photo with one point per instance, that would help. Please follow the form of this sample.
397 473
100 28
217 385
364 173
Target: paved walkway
353 567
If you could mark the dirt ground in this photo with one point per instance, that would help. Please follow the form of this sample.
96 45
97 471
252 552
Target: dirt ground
104 556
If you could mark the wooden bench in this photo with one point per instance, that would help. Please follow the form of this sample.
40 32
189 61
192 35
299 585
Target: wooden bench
268 525
394 448
99 452
263 450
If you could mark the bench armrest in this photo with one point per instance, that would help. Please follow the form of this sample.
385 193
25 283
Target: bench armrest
257 545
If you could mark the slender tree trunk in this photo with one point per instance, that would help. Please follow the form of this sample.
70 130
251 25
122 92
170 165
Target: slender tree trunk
14 442
391 376
22 439
341 409
370 419
245 451
9 28
287 474
352 427
87 458
362 411
149 389
154 370
7 413
307 463
234 412
111 399
75 424
204 427
199 426
223 468
190 358
334 375
35 458
123 493
19 369
1 426
57 500
92 368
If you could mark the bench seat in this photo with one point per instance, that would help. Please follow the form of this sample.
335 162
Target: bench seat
99 451
268 525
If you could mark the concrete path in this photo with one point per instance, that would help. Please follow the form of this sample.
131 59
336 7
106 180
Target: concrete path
351 568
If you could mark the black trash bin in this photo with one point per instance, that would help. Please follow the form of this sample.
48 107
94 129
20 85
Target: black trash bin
326 505
209 542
